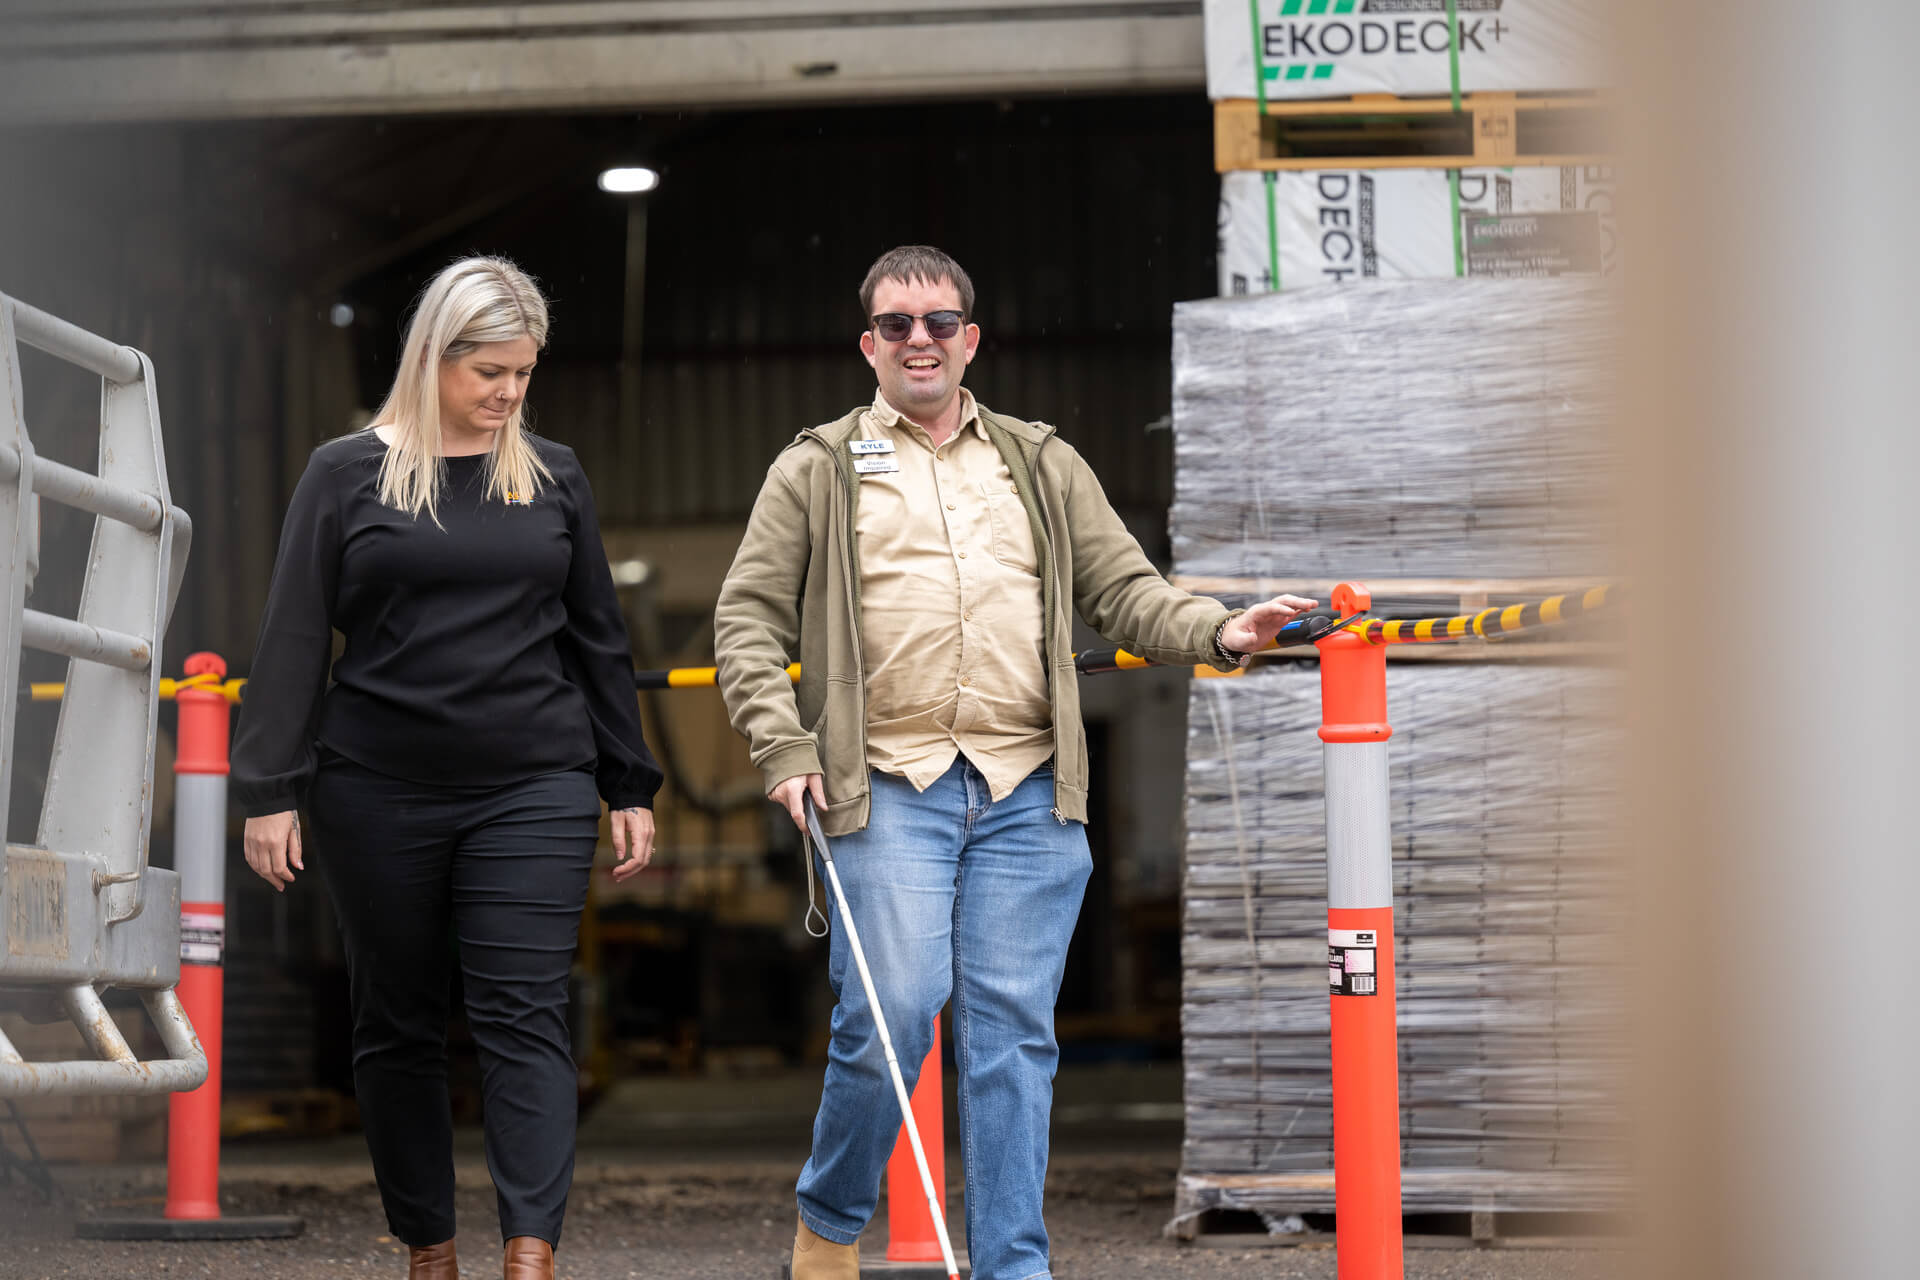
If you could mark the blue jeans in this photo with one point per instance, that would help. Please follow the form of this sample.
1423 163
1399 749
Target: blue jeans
953 894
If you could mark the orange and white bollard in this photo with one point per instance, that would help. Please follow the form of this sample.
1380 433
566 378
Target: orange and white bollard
192 1209
910 1232
200 843
1366 1082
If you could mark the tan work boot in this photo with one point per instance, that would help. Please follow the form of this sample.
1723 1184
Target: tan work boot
817 1258
529 1258
435 1262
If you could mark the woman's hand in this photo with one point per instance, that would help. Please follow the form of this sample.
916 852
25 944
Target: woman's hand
272 845
632 841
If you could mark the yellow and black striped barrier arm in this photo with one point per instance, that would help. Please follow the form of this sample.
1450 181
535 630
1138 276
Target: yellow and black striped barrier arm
1092 662
1488 624
689 678
1302 630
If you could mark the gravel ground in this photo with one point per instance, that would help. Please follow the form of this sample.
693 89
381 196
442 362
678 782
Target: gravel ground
714 1218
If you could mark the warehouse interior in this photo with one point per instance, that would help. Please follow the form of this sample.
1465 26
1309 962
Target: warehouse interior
267 267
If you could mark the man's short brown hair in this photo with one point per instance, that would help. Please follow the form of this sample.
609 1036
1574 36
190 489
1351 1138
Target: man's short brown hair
910 264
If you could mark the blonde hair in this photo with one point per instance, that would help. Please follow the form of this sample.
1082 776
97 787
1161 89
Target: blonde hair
474 301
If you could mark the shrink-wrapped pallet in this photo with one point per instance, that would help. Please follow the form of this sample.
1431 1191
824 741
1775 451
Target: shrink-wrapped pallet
1416 429
1452 430
1507 953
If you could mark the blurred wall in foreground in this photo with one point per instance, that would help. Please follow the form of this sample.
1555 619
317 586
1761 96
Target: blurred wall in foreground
1770 410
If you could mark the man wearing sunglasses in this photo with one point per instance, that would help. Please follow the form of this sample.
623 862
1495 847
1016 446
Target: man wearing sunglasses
921 556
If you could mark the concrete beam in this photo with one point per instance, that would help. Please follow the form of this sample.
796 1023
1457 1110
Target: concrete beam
117 60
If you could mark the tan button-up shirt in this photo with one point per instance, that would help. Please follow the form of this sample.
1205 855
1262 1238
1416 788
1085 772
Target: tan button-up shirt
951 624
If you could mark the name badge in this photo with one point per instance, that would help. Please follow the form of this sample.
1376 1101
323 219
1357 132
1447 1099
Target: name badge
871 446
875 466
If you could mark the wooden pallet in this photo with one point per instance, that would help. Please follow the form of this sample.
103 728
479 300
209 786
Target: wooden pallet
1441 1207
287 1113
1483 1230
1458 595
1474 650
1381 131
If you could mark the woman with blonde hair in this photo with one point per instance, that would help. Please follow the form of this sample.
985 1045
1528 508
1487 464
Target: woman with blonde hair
452 772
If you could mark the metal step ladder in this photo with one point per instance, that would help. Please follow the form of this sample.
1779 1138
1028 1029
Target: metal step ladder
80 909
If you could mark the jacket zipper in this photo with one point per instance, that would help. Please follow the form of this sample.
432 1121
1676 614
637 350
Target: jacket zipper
853 612
1053 570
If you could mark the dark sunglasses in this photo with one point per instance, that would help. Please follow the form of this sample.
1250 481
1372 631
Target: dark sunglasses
897 326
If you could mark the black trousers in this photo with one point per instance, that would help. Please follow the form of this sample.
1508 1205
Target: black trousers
505 870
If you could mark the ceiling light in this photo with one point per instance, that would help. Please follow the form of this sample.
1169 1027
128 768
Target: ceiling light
628 180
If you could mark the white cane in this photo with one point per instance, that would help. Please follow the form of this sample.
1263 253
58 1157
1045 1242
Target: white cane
886 1042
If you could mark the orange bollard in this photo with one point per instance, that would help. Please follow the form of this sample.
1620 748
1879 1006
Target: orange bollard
192 1209
200 822
910 1234
1366 1080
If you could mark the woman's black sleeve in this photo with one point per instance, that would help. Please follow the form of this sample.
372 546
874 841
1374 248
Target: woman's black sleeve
273 749
597 658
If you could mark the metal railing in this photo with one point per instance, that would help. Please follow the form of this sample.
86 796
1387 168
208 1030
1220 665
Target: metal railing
84 909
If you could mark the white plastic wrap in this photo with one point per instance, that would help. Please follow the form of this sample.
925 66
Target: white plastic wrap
1289 230
1413 429
1508 962
1334 48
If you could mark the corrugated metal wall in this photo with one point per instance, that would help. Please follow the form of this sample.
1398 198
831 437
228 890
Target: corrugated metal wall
1080 223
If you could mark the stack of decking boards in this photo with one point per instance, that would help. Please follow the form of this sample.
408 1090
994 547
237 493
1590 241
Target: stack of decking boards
1417 430
1353 136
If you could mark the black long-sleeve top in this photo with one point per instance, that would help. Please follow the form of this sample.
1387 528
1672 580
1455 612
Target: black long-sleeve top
482 652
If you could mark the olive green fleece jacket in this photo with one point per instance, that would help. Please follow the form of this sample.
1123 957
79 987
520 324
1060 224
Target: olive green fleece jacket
794 593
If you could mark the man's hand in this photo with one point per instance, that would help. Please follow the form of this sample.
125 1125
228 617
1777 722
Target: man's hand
788 796
1255 629
632 841
272 847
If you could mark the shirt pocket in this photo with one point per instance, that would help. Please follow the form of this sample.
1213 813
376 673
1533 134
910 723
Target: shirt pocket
881 521
1012 530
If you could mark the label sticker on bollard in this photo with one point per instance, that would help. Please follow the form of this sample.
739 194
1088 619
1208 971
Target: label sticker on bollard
1350 962
203 937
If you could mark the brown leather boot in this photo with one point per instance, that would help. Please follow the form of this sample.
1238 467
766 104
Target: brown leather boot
435 1262
817 1258
529 1258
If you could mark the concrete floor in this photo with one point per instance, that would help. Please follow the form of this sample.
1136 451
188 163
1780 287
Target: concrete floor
693 1179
